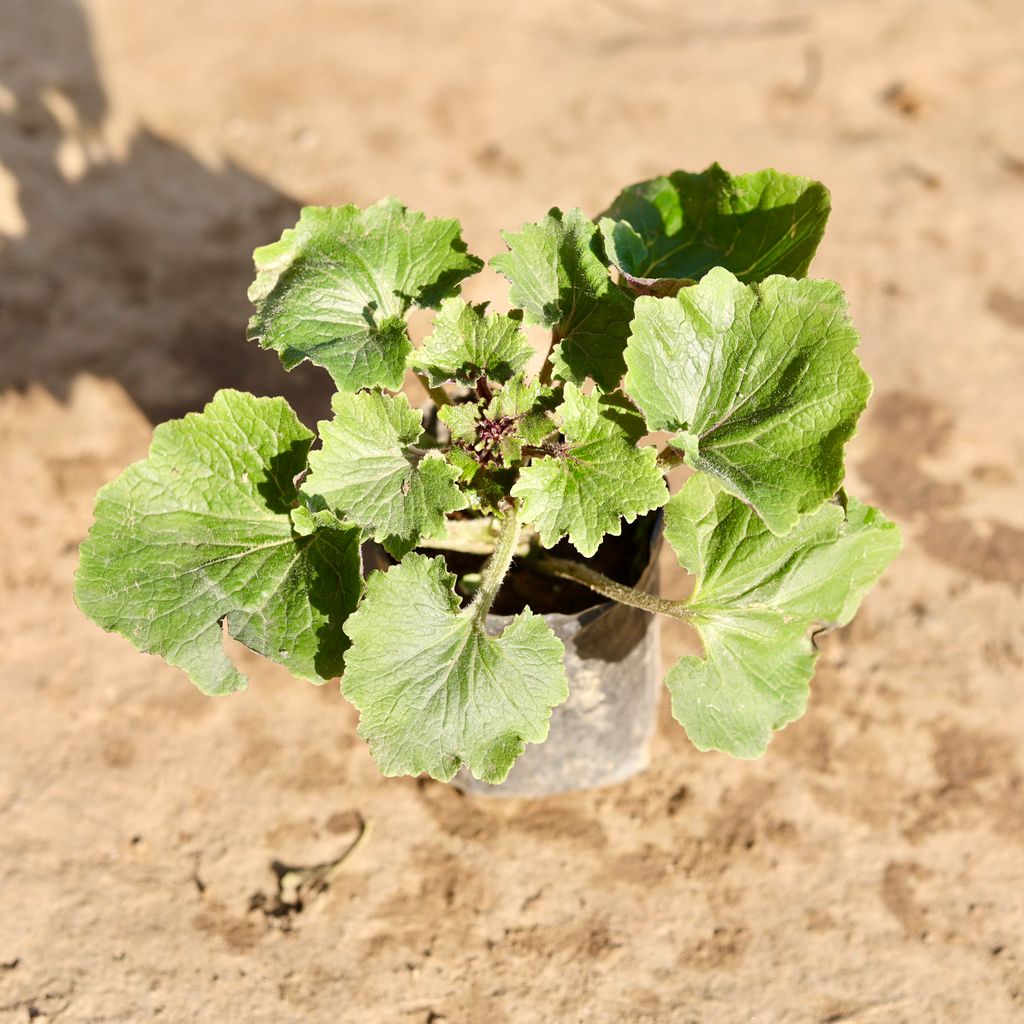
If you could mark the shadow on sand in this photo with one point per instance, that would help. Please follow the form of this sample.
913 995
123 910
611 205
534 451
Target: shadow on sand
132 268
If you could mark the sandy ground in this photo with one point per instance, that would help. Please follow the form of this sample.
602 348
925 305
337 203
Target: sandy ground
870 869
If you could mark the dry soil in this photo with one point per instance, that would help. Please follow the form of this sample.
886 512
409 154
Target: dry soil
867 870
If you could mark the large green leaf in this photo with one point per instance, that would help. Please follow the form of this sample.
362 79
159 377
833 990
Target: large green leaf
756 597
434 691
559 281
682 225
600 477
761 382
207 529
467 344
370 472
335 289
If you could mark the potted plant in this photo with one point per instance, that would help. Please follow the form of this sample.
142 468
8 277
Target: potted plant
685 309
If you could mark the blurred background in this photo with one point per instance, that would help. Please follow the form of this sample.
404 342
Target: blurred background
868 869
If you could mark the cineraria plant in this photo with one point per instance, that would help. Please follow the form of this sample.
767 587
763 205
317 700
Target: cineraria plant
684 309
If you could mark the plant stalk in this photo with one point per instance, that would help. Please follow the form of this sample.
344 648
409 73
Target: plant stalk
494 571
606 587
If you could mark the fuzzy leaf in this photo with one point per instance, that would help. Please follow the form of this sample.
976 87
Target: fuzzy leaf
559 281
534 427
756 597
461 421
368 473
518 398
202 531
528 404
489 488
761 382
682 225
601 478
434 691
465 465
467 344
335 289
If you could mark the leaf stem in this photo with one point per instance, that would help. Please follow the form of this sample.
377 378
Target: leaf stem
483 389
606 587
493 573
546 371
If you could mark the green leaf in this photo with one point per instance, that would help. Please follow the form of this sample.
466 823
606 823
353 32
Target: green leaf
468 344
756 597
335 289
369 472
761 382
522 406
489 487
527 404
461 421
625 249
559 280
623 245
434 691
519 398
682 225
202 532
534 427
599 479
465 465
